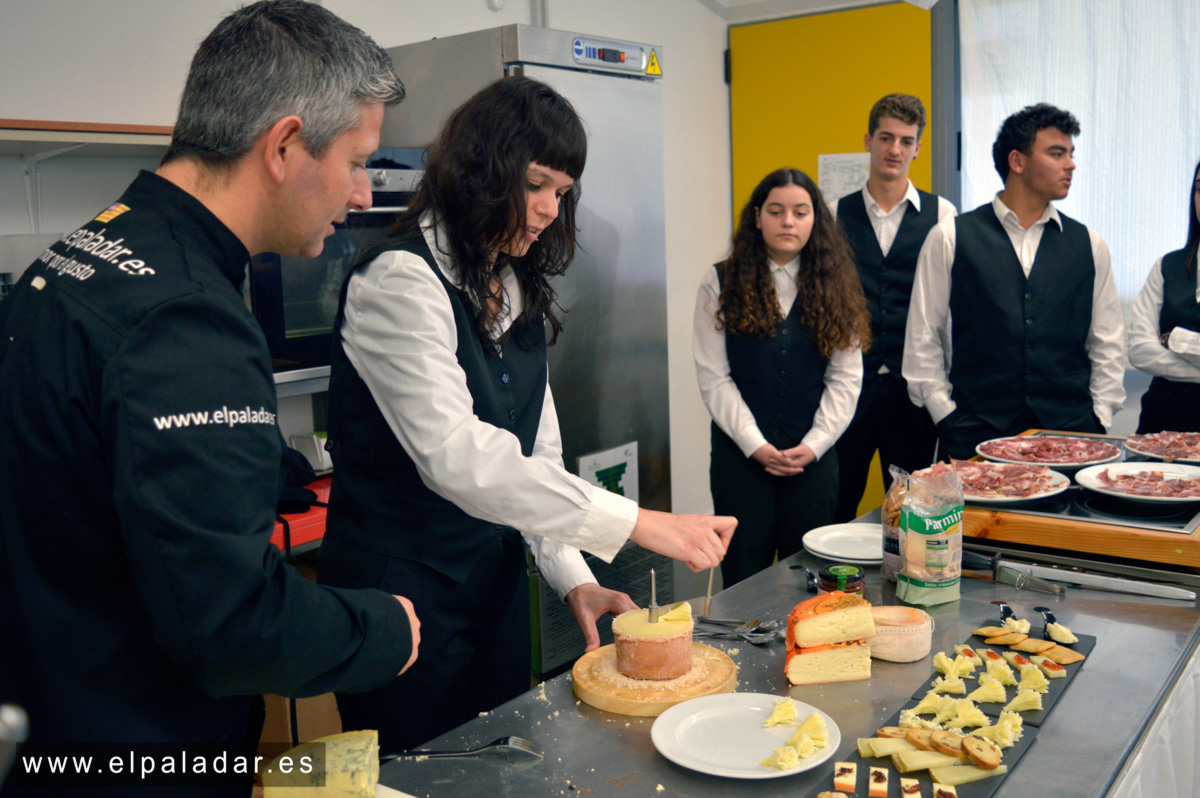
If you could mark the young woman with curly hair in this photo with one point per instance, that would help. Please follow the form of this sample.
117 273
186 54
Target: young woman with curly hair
780 327
442 427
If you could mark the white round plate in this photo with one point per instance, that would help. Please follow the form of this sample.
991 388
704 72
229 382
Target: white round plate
723 735
858 543
1055 465
1137 451
1060 483
1089 478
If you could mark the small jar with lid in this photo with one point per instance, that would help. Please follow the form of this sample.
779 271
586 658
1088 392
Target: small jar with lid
846 578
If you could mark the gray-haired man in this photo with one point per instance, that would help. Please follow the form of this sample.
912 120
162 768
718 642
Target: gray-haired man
142 599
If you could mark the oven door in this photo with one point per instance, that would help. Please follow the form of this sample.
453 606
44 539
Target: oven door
295 299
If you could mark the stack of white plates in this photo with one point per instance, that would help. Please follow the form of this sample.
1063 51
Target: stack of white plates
858 543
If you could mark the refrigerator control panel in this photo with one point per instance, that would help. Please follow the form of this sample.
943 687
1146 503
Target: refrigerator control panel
622 56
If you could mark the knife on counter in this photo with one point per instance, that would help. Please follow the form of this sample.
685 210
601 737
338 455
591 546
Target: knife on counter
1049 579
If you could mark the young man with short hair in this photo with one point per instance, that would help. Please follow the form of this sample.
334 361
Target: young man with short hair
886 223
1015 322
143 600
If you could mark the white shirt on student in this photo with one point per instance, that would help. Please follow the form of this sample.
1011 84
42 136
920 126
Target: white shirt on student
887 223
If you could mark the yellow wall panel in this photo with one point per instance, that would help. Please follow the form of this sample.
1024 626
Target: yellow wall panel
804 86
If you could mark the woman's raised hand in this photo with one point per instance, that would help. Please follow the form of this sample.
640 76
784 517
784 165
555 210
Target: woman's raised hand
700 541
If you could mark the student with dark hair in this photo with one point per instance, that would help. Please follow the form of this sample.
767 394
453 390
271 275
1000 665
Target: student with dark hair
1015 322
778 335
142 598
443 429
886 224
1164 333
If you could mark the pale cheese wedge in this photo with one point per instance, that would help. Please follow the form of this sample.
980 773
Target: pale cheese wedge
886 746
955 775
908 761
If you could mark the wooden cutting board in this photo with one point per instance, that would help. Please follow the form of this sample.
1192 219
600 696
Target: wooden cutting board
597 682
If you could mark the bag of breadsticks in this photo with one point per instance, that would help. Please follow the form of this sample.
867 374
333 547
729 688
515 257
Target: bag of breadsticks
931 532
893 558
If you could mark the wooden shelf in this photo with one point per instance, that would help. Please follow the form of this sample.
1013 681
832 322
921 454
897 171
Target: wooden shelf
30 136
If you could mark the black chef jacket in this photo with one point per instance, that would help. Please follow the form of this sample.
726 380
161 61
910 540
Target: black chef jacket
140 598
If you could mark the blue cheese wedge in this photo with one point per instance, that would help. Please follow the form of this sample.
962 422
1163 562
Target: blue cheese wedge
341 765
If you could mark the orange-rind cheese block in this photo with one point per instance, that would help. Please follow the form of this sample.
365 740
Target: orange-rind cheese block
829 618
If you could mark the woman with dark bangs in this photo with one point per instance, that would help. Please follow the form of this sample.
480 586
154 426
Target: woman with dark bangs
1164 333
443 430
780 327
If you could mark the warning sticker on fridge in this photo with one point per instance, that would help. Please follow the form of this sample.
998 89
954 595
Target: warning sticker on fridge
653 68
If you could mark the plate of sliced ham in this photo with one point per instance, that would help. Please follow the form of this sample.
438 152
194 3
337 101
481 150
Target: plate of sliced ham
1144 482
1002 483
1180 447
1059 451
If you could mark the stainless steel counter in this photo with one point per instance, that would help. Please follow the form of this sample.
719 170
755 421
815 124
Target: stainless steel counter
1142 645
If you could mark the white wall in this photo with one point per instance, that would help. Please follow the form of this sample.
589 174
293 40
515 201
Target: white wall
124 61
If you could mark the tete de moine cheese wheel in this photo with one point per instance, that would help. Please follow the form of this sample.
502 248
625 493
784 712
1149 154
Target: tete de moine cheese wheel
655 651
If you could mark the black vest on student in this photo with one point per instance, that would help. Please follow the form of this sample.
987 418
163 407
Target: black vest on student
377 499
1179 307
887 281
781 378
1021 342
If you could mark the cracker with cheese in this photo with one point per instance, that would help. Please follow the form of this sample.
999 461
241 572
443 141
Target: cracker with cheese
1062 655
1032 645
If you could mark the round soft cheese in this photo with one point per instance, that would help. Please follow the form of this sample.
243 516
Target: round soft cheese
902 634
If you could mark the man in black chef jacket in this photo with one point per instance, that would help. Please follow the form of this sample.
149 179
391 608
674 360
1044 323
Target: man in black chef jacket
886 223
1015 322
142 600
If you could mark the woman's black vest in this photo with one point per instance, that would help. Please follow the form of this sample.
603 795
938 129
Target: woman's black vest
377 499
1179 306
781 378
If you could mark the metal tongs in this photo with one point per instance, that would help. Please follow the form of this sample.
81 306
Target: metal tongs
981 566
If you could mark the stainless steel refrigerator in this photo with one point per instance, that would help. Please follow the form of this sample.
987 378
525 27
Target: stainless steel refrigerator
608 370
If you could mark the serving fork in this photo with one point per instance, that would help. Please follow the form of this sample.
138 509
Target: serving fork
508 747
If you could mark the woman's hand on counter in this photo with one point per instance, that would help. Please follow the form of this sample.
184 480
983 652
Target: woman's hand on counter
700 541
414 623
588 602
781 464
